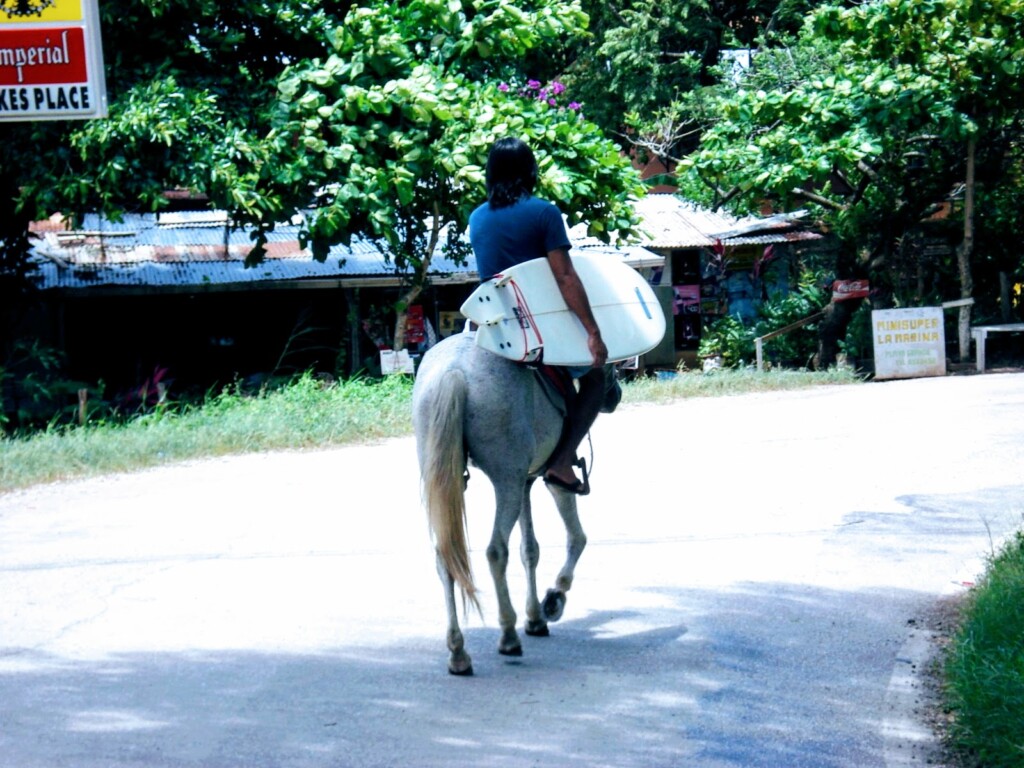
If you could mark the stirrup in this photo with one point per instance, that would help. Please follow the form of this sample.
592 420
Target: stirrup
585 485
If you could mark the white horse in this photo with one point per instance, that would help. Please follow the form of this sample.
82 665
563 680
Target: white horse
470 405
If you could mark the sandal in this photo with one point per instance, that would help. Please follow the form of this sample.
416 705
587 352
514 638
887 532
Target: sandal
579 487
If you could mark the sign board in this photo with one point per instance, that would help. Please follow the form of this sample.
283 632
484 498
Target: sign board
396 362
844 290
51 60
909 342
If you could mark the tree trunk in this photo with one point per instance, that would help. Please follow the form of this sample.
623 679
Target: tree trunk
353 321
402 315
419 279
832 330
963 257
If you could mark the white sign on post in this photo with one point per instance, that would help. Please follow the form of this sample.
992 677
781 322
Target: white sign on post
396 362
909 342
51 60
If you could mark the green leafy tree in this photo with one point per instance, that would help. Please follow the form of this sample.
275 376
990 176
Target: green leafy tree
191 86
965 60
393 128
887 128
643 55
379 114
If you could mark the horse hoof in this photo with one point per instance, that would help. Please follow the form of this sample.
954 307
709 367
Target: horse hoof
537 628
509 644
460 665
553 605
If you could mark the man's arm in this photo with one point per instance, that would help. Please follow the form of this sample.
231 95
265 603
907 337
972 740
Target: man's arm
576 299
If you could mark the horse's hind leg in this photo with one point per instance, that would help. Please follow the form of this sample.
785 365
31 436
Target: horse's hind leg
576 540
510 497
459 662
529 551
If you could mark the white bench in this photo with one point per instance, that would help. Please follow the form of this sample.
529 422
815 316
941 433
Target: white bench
980 334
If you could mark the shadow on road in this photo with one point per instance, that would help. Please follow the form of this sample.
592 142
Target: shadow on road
753 673
742 678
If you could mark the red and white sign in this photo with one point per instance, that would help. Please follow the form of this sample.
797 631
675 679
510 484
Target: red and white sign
843 290
51 61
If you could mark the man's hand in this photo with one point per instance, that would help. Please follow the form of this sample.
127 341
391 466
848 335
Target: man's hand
597 349
575 296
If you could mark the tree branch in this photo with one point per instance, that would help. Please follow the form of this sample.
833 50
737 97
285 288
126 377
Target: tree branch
727 196
819 199
867 170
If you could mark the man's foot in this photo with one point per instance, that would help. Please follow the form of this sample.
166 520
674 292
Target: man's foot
574 486
579 487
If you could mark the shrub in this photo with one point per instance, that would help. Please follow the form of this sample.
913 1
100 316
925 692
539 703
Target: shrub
734 341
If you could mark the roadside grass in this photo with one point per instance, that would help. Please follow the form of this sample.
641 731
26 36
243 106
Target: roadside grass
984 666
304 414
730 381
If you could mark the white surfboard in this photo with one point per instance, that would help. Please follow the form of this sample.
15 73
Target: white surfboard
521 314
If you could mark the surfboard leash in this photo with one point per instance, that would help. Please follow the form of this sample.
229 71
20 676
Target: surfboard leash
527 315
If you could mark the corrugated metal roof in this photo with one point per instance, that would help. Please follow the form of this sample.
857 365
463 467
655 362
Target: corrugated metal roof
197 249
670 222
209 272
203 249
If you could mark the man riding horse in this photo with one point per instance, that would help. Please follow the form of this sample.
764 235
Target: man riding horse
471 406
512 227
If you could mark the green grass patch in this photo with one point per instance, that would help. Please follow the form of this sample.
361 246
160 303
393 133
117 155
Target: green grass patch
985 666
304 414
731 381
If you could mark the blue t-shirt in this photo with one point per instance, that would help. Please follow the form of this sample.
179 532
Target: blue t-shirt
504 237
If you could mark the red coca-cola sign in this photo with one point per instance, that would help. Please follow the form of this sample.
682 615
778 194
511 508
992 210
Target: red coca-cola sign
843 290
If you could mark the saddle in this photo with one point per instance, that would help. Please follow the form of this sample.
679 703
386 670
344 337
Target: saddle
558 386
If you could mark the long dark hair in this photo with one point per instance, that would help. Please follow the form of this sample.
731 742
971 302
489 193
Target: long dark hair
511 172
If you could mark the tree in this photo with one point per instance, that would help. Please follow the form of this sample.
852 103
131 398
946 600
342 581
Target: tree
972 54
191 85
883 133
394 126
379 114
643 55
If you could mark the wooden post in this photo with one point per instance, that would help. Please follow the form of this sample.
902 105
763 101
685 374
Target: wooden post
354 320
83 400
791 327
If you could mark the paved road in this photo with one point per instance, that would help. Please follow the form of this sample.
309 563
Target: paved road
751 596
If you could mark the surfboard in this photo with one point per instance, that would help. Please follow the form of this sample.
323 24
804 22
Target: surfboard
522 316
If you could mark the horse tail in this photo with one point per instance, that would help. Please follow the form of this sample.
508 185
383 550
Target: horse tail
443 469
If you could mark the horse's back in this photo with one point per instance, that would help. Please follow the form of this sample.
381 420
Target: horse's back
460 351
506 422
490 378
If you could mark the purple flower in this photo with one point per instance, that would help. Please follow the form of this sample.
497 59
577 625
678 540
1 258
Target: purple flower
503 87
552 102
575 106
533 85
557 88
